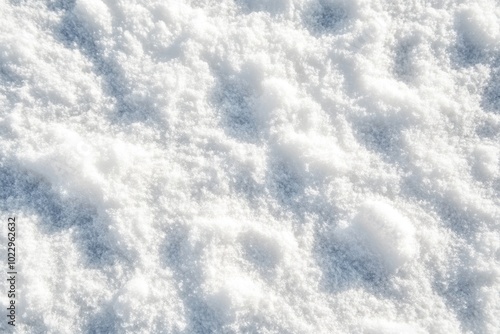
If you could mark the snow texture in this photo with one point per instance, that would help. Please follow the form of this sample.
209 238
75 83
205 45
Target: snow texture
252 166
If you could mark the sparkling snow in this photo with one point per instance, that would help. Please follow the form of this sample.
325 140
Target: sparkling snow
252 166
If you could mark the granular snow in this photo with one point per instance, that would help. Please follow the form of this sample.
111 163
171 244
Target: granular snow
239 166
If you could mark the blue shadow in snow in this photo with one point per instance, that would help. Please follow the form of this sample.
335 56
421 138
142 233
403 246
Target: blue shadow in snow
30 194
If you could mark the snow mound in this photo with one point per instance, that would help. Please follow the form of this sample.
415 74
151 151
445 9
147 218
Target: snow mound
387 233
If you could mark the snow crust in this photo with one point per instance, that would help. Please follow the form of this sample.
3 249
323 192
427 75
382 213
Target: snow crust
238 166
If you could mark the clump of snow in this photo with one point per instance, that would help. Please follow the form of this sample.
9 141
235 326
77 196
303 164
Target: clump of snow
486 162
237 166
386 233
479 25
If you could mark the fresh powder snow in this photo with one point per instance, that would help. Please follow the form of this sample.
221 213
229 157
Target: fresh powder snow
251 166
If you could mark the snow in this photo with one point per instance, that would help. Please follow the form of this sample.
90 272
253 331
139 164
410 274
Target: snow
386 233
237 166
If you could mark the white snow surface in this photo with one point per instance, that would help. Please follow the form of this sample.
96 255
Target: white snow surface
252 166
